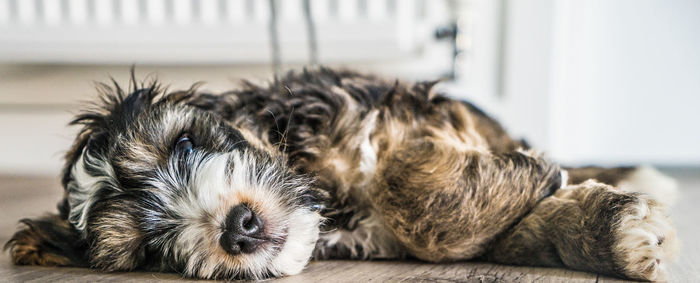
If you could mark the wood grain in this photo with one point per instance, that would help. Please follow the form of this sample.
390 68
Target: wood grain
28 196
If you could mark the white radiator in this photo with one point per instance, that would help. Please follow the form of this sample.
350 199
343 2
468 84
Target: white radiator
212 31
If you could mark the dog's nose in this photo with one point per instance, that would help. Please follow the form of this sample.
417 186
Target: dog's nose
243 232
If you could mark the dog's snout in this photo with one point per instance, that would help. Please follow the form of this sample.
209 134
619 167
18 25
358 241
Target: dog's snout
243 232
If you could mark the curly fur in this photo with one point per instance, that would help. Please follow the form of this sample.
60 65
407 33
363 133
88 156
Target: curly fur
337 164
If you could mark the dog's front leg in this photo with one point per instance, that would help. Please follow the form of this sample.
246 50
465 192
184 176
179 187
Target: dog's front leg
592 227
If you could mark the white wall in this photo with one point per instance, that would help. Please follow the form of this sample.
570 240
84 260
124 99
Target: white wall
604 82
526 96
626 82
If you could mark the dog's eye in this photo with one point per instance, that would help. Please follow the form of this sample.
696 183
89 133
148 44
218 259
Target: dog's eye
312 202
184 144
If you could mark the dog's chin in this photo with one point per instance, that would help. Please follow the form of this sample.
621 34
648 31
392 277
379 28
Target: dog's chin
298 245
287 253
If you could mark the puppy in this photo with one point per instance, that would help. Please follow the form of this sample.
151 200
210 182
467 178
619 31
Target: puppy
255 182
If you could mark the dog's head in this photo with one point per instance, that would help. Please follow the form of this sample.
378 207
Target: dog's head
153 182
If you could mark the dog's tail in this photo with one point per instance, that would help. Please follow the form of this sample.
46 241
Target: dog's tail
642 179
648 180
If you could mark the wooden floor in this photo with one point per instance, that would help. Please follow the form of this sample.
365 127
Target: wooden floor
31 196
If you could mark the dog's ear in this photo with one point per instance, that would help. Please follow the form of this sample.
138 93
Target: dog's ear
49 241
114 236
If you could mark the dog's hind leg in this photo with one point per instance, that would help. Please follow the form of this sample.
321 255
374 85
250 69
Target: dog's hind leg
592 227
443 204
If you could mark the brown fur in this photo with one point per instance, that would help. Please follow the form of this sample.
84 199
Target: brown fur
445 205
115 237
611 176
48 241
578 227
400 169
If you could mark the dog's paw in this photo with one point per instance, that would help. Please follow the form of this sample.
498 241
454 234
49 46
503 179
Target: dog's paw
645 241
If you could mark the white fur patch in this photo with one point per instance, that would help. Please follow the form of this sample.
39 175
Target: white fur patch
81 191
650 181
564 178
368 161
646 240
301 240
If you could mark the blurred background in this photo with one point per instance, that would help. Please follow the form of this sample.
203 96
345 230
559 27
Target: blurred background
597 81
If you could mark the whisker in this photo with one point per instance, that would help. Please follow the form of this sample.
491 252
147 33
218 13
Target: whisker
286 131
276 126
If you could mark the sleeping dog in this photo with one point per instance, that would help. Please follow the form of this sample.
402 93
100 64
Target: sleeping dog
323 164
